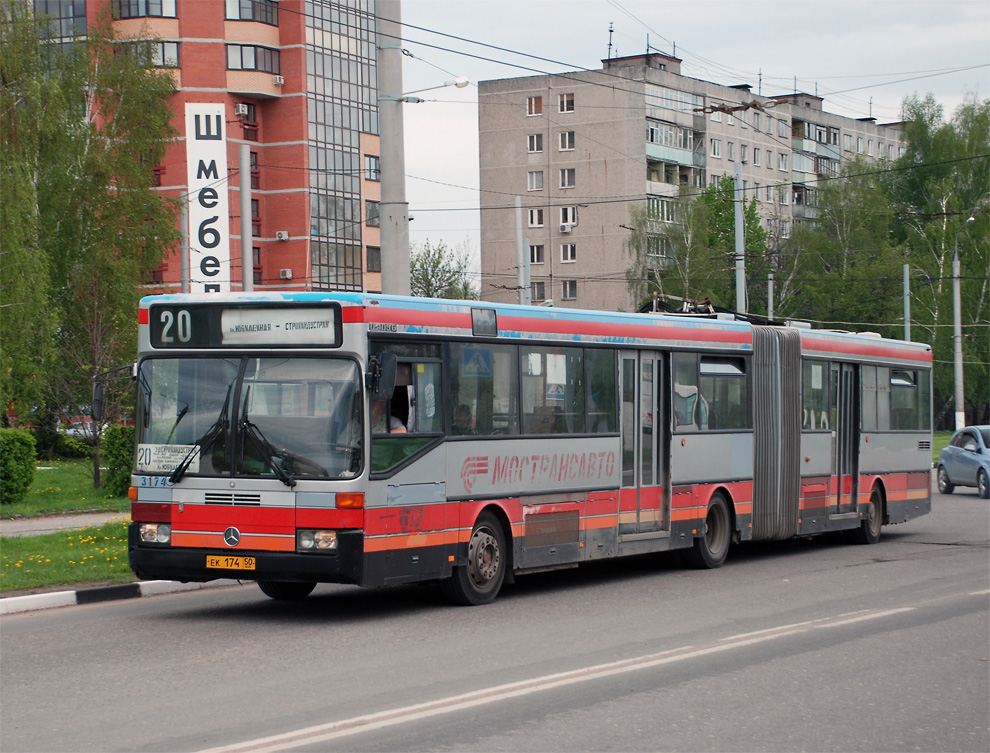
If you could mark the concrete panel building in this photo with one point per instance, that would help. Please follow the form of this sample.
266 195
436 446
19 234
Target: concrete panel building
581 148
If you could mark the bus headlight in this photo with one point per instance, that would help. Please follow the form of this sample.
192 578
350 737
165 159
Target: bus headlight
316 541
155 533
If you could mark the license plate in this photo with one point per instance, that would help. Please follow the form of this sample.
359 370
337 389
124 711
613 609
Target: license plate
230 563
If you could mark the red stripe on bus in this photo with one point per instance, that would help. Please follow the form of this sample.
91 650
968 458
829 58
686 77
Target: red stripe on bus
144 316
866 349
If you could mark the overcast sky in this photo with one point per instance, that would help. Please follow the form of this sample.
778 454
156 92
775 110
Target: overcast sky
862 56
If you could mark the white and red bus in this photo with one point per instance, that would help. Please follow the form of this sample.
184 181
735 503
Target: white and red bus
304 438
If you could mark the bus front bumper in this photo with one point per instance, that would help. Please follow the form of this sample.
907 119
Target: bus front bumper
188 564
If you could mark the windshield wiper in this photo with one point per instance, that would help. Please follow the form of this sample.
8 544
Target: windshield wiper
182 414
217 428
268 452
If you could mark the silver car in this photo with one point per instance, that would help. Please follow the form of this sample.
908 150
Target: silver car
966 461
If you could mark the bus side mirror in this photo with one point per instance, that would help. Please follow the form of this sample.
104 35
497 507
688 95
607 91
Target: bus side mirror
96 411
381 376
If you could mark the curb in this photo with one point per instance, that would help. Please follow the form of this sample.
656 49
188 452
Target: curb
103 593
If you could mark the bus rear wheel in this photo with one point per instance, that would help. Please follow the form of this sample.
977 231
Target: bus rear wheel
869 529
285 590
711 549
478 582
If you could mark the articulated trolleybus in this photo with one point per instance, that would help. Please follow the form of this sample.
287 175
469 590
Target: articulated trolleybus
304 438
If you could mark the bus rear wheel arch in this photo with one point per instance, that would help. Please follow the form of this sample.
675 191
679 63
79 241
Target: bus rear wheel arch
711 548
479 580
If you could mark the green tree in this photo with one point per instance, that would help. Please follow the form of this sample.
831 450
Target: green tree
851 270
941 188
684 247
107 124
437 271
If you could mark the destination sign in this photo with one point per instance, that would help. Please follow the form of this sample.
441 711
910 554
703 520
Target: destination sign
244 326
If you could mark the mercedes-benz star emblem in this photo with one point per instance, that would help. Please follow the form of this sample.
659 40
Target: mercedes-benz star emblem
232 537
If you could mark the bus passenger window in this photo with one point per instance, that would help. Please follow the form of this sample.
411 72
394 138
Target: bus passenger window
685 393
602 393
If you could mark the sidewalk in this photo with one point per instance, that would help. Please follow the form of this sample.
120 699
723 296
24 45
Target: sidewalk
84 595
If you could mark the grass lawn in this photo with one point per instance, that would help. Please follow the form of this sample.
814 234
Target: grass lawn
90 555
62 486
939 440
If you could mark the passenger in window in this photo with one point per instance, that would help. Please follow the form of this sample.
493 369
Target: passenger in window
463 422
383 422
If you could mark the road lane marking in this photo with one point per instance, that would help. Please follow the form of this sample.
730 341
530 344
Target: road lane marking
323 733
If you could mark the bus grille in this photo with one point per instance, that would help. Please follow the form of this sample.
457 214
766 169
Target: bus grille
230 498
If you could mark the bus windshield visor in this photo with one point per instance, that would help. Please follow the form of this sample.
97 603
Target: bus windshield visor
284 418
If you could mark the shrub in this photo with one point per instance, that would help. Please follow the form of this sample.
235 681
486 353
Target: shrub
118 454
17 464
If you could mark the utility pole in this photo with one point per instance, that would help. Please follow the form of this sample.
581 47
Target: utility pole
184 251
394 208
907 302
247 227
740 244
957 341
522 258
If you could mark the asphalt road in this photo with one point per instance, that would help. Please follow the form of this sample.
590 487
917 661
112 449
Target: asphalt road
799 645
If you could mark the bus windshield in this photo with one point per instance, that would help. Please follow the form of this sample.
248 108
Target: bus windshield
281 417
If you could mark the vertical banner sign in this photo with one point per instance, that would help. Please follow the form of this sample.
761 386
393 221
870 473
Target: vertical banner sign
209 218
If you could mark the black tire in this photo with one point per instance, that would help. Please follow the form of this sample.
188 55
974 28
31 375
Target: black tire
285 590
869 529
478 582
982 485
712 547
942 479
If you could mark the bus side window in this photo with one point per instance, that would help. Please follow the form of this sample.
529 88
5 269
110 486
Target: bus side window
685 393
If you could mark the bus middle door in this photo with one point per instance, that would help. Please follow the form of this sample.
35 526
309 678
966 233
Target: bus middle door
641 501
845 439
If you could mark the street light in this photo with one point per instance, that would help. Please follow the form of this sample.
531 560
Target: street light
460 82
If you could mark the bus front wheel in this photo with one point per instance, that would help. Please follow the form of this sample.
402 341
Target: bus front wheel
285 590
478 582
712 547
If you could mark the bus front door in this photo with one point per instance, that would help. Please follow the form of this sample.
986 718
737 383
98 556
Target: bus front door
845 439
641 507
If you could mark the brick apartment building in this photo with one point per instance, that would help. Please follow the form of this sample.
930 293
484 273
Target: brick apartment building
296 82
580 148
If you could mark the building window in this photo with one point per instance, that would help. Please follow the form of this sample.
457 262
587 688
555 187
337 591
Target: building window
661 209
833 136
782 161
534 180
743 152
716 114
255 217
783 192
567 178
566 103
255 172
847 142
566 141
756 121
716 150
568 215
372 213
536 254
785 228
537 291
536 218
372 168
732 151
730 119
534 143
263 11
869 147
770 194
249 57
782 129
374 254
569 290
142 8
534 106
756 157
256 263
859 144
165 54
756 191
568 252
